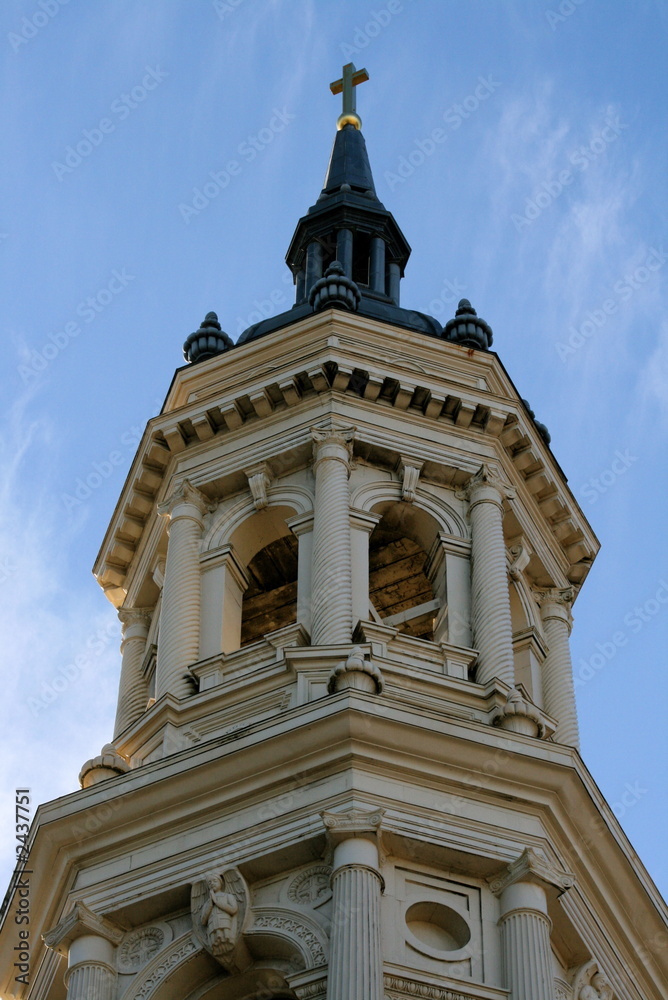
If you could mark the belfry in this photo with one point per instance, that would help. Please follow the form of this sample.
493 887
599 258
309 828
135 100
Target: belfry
345 758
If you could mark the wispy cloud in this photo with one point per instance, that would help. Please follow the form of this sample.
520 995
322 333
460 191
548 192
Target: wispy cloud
45 625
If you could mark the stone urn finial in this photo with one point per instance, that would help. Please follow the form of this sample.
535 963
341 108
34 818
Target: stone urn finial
335 289
208 341
108 764
518 715
356 672
466 328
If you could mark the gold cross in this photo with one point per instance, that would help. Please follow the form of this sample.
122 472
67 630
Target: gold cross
346 85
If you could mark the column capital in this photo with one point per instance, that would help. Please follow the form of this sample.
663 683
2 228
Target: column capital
531 867
185 494
486 487
135 618
354 823
556 602
79 922
333 442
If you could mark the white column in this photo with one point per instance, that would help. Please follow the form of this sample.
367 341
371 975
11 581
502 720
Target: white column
331 581
527 955
490 600
178 640
558 686
224 582
90 974
302 527
362 524
133 688
448 569
356 958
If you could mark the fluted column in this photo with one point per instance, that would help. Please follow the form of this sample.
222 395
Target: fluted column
527 955
557 672
331 582
132 689
490 600
91 974
178 640
356 959
525 925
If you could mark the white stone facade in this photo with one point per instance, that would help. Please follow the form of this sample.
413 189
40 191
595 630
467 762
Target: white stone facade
346 762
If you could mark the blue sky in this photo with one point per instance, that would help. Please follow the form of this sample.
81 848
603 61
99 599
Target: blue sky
521 147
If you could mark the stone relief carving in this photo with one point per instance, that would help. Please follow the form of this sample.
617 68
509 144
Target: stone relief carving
220 905
589 983
139 947
409 470
294 928
258 481
396 988
562 990
311 887
312 991
183 951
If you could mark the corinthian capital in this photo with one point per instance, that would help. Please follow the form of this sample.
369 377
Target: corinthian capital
485 485
556 595
130 617
556 602
185 493
333 443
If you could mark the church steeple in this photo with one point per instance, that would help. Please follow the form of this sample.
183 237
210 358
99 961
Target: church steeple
348 222
350 226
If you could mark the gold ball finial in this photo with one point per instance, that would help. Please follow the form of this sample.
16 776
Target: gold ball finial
349 118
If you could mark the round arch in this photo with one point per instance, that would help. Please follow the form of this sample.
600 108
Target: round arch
370 495
295 499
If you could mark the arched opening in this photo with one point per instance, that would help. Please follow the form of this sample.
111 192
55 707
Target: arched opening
402 593
270 601
249 582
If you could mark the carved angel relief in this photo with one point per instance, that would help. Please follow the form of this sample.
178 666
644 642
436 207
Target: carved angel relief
220 906
589 983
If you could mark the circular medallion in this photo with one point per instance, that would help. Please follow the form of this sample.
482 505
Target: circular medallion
138 947
311 887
